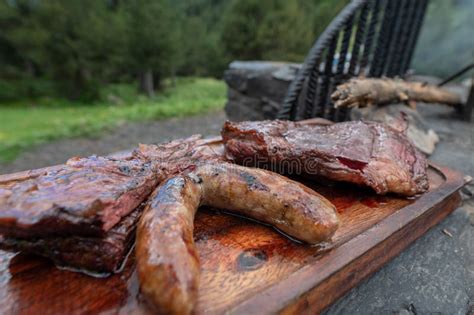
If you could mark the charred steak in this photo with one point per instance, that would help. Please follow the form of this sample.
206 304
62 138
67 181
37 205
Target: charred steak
88 196
83 214
364 153
85 253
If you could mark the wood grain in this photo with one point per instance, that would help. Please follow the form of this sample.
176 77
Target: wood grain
249 268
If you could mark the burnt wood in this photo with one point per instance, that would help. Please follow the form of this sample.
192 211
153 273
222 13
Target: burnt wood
246 267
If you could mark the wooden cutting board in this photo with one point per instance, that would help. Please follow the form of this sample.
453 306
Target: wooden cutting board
246 267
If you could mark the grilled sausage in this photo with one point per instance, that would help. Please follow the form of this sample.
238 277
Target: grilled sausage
167 262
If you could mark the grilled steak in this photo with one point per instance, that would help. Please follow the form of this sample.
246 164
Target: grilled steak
364 153
82 214
97 254
88 196
85 196
173 157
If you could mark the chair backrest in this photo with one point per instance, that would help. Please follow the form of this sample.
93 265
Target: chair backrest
373 38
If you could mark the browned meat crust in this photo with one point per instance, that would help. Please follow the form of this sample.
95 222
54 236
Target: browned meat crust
363 153
167 262
77 214
88 196
88 254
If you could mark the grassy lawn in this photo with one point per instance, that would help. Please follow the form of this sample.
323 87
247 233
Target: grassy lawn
26 123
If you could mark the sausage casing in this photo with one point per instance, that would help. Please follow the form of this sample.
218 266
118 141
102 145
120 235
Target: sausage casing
167 262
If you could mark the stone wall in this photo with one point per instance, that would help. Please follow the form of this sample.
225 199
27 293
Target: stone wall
257 88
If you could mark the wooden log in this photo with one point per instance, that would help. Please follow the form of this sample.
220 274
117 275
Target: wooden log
362 92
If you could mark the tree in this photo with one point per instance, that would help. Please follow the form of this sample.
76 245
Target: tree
322 12
73 42
22 36
83 44
275 29
200 22
85 39
152 41
285 32
240 29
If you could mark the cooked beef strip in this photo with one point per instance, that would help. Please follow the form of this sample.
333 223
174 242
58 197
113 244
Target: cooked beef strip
90 254
83 214
364 153
88 196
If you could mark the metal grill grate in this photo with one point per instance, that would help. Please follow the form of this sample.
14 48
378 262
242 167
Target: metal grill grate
373 38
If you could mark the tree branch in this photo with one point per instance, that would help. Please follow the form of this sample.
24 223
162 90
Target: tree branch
361 92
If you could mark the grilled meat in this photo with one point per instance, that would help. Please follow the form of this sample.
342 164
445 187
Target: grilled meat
83 214
88 196
103 255
167 262
363 153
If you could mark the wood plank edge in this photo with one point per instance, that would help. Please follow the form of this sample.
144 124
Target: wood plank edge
330 290
298 287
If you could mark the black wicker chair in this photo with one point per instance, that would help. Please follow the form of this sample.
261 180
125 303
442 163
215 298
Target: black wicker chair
374 38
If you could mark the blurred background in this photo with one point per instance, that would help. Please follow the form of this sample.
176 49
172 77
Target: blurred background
78 67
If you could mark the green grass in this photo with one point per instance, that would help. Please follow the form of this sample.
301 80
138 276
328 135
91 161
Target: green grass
26 123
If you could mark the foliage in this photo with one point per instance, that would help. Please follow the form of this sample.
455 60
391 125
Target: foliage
81 45
77 46
275 29
23 124
152 36
67 41
199 38
33 87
